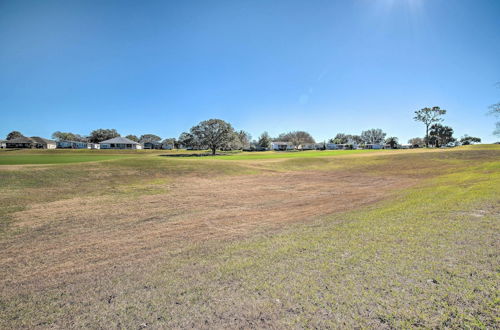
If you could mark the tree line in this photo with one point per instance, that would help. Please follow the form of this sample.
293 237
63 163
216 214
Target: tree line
217 134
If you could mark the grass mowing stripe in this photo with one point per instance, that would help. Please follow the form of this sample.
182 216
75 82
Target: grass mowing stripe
54 159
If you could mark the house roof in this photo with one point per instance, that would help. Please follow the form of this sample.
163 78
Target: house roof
69 141
119 140
41 140
23 139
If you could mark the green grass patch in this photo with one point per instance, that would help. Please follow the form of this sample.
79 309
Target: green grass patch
17 159
289 154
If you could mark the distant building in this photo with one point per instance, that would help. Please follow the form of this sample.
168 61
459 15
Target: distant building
73 145
374 146
335 146
119 143
307 146
152 145
282 146
30 143
3 144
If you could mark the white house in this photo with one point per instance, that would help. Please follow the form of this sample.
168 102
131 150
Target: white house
3 144
281 146
335 146
307 146
72 145
119 143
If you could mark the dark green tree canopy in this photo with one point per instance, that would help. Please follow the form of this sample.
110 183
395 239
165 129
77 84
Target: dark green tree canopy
466 140
342 138
440 135
149 138
244 139
373 136
68 136
171 141
102 134
429 116
296 137
187 140
14 135
213 133
392 141
132 137
264 140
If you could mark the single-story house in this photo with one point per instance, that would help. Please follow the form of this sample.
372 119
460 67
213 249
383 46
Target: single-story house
312 146
374 146
167 146
119 143
21 142
152 145
309 146
3 144
42 143
335 146
31 142
282 146
72 145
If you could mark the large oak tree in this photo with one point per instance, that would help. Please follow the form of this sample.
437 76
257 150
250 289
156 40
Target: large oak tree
213 133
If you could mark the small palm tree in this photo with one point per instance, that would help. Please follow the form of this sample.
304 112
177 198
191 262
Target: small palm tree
392 141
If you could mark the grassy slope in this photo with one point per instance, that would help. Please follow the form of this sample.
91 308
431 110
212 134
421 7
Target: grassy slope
63 156
429 257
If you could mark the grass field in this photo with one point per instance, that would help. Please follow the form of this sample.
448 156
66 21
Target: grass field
342 239
25 157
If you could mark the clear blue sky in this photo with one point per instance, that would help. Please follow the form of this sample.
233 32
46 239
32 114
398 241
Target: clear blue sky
321 66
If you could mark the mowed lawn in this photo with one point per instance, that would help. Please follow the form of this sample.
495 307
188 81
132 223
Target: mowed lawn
25 157
379 239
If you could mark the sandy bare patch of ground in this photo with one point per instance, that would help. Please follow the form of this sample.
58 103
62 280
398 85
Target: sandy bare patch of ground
62 240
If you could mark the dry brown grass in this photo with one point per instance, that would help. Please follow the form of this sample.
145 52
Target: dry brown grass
142 236
79 235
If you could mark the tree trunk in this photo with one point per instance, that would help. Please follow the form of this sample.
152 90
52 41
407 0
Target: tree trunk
427 136
213 151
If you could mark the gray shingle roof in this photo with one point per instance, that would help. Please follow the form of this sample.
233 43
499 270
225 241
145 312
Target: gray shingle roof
119 140
23 139
41 140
